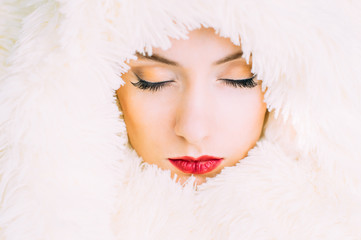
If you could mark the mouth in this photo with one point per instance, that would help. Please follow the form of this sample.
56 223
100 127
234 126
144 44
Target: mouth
201 165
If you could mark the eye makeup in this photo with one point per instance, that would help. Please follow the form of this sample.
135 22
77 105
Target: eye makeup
152 86
233 72
156 86
240 83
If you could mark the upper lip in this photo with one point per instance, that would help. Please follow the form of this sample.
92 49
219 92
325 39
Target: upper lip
198 159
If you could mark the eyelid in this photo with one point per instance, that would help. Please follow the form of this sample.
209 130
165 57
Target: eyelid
241 83
142 80
238 80
151 86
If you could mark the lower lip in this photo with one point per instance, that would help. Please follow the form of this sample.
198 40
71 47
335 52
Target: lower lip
196 167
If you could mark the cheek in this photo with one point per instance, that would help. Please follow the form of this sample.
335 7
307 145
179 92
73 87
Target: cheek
148 119
243 116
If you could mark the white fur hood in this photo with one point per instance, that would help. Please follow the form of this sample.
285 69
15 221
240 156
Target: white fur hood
66 171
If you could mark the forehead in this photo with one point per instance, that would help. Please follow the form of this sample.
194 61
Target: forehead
202 45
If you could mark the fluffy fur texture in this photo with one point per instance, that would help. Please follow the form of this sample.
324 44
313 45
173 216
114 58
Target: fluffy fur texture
66 171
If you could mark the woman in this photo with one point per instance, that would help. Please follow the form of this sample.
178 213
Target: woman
194 108
193 79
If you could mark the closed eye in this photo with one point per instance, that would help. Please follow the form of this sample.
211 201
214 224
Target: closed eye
241 83
152 86
155 86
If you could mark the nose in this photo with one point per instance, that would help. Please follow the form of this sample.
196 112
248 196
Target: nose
192 118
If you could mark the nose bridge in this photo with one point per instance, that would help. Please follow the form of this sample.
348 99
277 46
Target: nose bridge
192 120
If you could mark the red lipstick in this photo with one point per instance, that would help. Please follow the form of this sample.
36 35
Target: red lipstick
200 165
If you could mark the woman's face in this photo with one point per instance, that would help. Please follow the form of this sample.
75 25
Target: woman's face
194 108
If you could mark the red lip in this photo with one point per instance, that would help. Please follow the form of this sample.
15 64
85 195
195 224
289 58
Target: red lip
200 165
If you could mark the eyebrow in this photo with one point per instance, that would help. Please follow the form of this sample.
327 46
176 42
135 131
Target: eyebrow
158 58
229 58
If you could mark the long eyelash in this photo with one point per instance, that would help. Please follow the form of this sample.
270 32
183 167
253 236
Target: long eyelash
145 85
242 83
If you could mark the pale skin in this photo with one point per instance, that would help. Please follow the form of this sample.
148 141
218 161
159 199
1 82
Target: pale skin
195 112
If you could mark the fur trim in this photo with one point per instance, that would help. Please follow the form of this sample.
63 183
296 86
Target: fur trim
66 171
